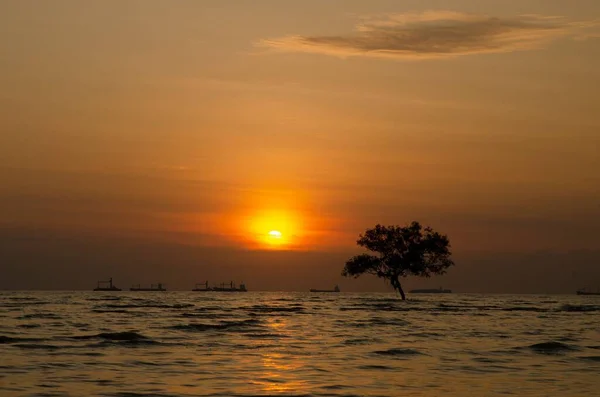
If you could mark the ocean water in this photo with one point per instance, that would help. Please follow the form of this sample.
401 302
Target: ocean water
297 344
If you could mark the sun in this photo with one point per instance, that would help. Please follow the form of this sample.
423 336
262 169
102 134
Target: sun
275 239
274 229
275 234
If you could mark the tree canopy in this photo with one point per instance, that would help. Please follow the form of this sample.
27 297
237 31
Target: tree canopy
401 251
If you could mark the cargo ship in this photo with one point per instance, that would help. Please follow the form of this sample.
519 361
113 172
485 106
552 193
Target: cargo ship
583 291
106 286
336 289
201 287
153 287
222 288
431 291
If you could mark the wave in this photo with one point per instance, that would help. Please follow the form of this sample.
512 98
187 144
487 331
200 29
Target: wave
26 303
9 339
371 308
266 336
590 358
223 325
116 336
29 325
105 298
552 347
398 352
39 346
208 309
129 343
21 298
579 308
202 315
525 309
126 338
443 307
426 334
387 321
376 321
376 367
276 309
133 394
49 316
359 341
146 306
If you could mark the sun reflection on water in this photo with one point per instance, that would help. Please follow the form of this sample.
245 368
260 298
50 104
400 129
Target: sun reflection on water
278 374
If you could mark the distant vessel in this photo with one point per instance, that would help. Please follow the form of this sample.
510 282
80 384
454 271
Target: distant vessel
153 287
431 291
230 288
336 289
106 286
584 292
202 287
223 288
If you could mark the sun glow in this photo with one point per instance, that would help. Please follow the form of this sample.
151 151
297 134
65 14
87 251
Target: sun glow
275 229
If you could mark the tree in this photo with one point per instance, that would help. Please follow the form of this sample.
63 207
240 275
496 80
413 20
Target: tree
400 252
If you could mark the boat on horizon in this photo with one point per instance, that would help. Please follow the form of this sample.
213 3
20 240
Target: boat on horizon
222 288
199 288
431 291
153 287
583 291
336 289
106 286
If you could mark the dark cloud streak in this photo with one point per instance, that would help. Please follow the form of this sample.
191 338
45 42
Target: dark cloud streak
436 35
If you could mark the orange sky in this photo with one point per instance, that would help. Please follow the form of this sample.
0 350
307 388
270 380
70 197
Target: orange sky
209 124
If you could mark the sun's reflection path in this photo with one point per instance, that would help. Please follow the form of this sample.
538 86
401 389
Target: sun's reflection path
279 374
280 371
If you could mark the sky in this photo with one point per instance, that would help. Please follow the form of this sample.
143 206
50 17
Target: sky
163 140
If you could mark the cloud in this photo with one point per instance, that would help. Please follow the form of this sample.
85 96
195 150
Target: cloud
436 34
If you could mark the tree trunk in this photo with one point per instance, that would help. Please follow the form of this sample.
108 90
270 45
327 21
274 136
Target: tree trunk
398 287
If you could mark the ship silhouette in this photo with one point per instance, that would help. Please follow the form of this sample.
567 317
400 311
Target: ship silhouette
221 288
153 287
584 291
106 286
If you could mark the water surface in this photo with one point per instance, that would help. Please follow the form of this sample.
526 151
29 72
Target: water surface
297 344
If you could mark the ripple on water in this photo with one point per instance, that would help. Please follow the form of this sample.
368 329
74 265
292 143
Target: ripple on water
300 344
360 341
146 305
276 309
245 325
118 336
579 308
397 352
590 358
48 316
376 367
552 347
10 339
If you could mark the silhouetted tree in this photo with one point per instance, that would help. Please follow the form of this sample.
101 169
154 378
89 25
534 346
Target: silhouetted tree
400 252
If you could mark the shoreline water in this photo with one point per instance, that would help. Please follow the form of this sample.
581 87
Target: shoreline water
269 343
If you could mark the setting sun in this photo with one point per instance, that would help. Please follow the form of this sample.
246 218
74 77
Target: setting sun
274 229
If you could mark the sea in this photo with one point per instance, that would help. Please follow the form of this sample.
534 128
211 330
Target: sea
129 344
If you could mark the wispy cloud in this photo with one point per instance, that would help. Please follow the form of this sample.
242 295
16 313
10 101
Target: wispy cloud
437 34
